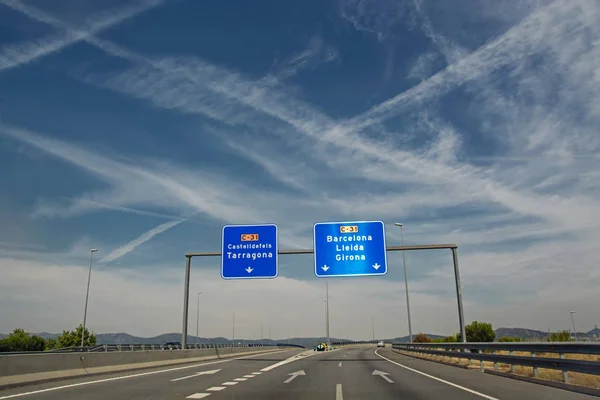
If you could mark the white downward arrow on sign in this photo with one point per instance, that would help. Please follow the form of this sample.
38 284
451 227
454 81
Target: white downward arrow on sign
214 371
325 268
376 266
294 375
383 375
249 269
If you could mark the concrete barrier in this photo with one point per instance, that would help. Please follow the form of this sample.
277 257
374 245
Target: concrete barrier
22 364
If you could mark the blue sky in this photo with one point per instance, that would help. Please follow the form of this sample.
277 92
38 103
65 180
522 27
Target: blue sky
141 127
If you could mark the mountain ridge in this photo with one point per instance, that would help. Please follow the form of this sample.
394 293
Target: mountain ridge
125 338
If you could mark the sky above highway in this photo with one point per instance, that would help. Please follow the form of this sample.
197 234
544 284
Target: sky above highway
141 127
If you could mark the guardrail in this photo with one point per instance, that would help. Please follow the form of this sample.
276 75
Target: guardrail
488 352
148 347
347 343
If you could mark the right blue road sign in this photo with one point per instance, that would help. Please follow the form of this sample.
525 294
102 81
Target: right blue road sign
351 248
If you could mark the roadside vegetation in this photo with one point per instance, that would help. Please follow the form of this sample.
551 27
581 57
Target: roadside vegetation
20 340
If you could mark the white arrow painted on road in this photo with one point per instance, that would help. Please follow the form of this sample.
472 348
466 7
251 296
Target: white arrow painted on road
212 372
376 266
325 268
294 375
249 269
383 375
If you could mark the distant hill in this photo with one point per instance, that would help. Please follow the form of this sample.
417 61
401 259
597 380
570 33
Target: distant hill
523 333
406 339
125 338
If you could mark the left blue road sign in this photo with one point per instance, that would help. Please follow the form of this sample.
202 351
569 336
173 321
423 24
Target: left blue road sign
249 252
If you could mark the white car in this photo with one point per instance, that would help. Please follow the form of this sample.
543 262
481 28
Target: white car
381 344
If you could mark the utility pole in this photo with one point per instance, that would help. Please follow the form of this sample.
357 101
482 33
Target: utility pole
406 282
197 316
87 295
373 326
573 322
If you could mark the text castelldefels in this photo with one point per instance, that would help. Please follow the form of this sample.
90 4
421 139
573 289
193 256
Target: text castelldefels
351 248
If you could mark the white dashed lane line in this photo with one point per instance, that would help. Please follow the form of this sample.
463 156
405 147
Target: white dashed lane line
235 381
216 388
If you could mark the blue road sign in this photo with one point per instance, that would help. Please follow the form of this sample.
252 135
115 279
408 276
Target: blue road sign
249 252
353 248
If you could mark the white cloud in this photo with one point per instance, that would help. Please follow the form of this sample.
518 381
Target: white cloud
143 238
394 179
316 53
16 55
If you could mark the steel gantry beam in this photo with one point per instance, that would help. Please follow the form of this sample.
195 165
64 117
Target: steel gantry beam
452 247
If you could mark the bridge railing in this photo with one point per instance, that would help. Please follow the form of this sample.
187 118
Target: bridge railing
547 355
151 347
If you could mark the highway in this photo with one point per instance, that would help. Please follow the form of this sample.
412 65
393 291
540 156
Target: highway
344 374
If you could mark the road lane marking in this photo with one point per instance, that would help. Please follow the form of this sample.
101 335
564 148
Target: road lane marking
240 379
216 388
340 364
229 383
214 371
297 357
116 378
294 375
256 373
485 396
249 376
383 375
338 392
198 396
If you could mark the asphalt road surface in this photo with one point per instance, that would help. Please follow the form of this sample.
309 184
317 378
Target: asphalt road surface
345 374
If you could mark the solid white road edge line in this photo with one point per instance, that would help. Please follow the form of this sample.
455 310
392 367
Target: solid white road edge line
116 378
485 396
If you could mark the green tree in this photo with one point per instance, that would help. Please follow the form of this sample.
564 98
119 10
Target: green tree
51 344
19 340
478 332
422 338
450 339
73 338
509 339
561 336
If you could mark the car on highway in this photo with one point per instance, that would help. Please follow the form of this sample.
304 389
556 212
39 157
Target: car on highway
381 344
